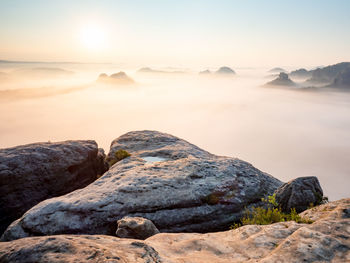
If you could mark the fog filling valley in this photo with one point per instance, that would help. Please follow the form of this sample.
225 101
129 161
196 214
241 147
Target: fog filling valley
287 133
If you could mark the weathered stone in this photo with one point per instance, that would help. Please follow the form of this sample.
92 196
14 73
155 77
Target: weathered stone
136 227
175 184
299 193
76 248
325 240
35 172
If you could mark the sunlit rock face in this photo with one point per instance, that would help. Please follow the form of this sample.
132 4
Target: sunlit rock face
116 78
188 190
281 80
32 173
325 240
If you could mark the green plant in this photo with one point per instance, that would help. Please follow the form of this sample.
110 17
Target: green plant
271 213
118 156
271 199
235 226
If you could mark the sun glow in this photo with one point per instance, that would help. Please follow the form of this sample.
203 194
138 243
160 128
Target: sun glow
93 37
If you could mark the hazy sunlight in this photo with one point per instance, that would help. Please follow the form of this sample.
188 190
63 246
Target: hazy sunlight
93 37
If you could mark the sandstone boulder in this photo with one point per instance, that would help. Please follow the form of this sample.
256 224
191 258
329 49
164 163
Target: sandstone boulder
77 249
136 227
32 173
299 193
325 240
175 184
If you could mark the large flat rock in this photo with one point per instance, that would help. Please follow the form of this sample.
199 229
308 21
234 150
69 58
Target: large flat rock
77 249
175 184
325 240
32 173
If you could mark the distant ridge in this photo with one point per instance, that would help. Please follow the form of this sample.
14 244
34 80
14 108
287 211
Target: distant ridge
48 62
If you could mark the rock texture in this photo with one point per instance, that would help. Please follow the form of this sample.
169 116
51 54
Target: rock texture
77 249
136 227
190 190
325 240
35 172
299 194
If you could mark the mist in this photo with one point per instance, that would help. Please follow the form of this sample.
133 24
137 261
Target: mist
285 132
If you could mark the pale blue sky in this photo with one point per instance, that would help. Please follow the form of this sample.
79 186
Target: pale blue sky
181 32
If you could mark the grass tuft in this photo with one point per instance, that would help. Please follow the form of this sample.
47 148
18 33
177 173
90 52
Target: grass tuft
118 156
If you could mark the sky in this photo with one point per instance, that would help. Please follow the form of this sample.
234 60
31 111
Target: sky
187 33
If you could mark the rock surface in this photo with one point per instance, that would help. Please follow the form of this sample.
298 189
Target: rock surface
136 227
299 193
32 173
76 248
188 190
325 240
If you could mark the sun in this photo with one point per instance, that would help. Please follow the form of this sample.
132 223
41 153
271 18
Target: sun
93 37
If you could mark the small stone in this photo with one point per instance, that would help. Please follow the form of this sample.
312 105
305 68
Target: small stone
136 227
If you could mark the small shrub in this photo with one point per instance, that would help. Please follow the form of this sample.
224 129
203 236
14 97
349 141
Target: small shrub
235 226
263 216
272 214
118 156
271 199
